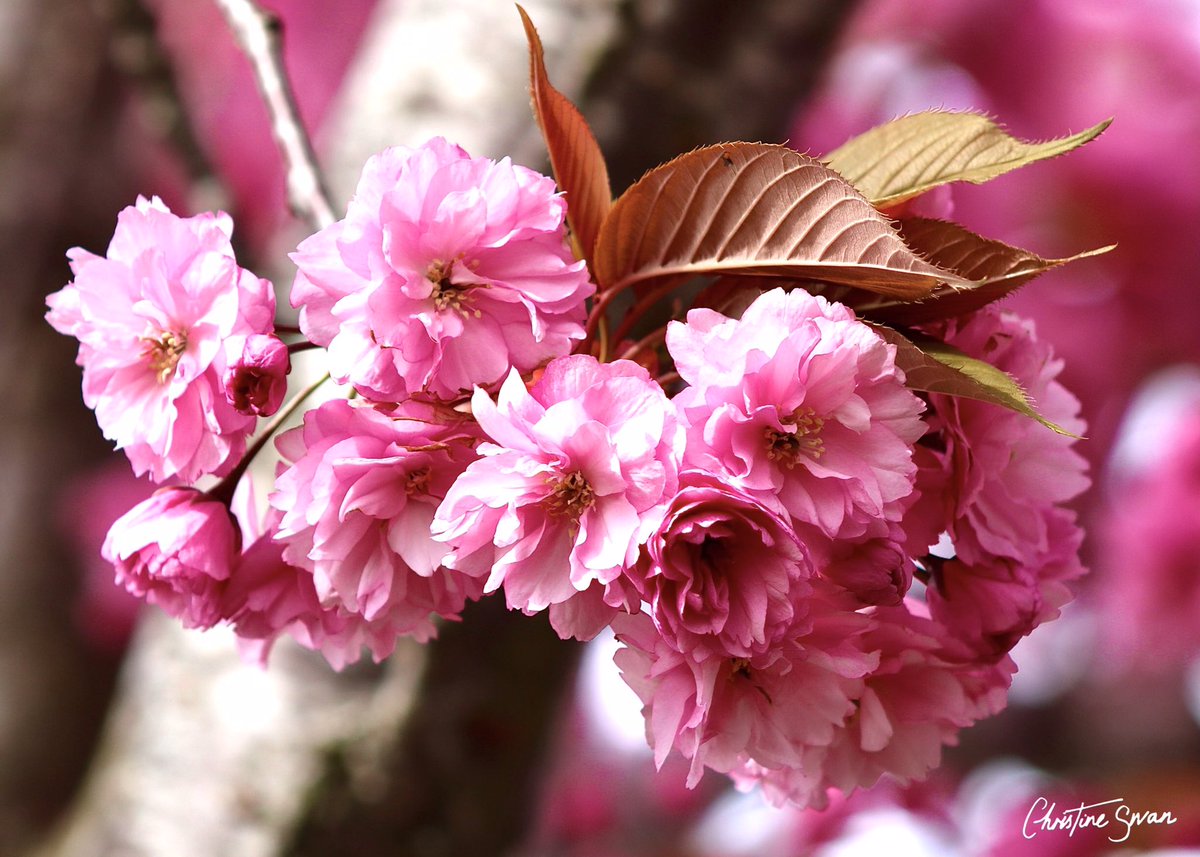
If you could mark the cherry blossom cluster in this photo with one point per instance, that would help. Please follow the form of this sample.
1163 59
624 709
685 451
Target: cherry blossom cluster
815 573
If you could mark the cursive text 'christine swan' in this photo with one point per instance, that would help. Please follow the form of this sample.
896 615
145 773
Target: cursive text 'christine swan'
1044 815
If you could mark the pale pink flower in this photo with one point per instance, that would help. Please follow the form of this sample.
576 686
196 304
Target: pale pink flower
446 272
576 477
357 496
724 575
154 319
256 380
266 598
774 711
915 700
799 400
176 550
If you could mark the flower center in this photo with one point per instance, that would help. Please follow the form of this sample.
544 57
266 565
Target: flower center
163 353
571 496
788 447
447 294
417 481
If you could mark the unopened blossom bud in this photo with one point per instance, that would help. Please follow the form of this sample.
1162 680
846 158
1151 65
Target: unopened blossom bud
255 383
176 550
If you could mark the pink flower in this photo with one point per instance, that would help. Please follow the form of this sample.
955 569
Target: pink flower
255 383
1003 479
800 401
774 711
724 575
992 602
267 597
577 477
1006 470
446 272
913 703
153 320
357 501
874 571
176 550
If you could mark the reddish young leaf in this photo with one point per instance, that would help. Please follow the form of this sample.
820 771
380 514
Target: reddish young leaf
575 155
754 208
935 367
995 269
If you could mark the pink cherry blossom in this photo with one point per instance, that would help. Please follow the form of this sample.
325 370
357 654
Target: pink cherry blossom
873 571
267 598
991 602
799 400
1003 479
772 712
357 498
724 575
446 272
1005 469
256 380
176 549
154 319
577 476
913 703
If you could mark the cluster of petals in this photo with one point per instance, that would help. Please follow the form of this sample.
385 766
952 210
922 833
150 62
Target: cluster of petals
446 272
798 400
1004 478
577 475
752 541
356 497
857 696
727 713
159 319
176 549
724 575
267 598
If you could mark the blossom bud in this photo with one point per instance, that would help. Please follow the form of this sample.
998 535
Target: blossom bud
176 550
255 383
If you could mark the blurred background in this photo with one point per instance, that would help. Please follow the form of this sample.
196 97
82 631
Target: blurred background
121 734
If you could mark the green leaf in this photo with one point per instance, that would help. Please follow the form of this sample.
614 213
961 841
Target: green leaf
935 367
755 209
994 268
915 153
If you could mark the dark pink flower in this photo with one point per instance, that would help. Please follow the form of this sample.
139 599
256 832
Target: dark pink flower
446 272
800 401
724 575
874 571
256 381
176 550
154 320
576 477
1005 469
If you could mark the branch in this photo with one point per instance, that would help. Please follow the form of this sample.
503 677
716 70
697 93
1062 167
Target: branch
258 33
